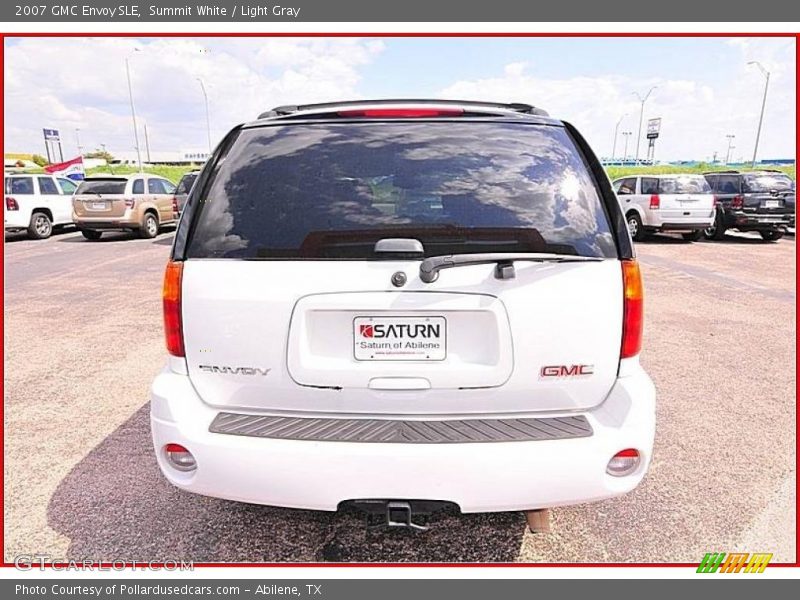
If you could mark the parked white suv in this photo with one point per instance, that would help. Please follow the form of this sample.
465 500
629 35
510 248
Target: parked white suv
390 302
37 203
670 203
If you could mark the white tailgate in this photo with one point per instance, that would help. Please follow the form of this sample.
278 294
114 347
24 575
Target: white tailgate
295 321
690 208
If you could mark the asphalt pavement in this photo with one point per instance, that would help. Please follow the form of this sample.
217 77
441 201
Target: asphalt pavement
83 341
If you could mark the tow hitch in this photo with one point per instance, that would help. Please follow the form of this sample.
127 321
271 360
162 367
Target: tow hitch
407 514
399 514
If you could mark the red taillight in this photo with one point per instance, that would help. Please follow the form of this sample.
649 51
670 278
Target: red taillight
180 458
737 202
398 113
714 201
175 205
632 309
130 202
655 201
623 462
11 203
175 448
173 325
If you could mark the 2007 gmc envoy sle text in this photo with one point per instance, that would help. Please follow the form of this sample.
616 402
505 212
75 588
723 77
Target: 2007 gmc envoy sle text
317 246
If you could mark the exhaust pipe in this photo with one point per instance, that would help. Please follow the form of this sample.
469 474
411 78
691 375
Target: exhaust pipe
538 520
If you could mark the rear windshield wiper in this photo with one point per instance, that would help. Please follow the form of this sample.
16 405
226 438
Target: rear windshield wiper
430 267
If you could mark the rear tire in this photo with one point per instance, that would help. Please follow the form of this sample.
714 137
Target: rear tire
91 234
717 230
149 228
694 236
635 227
41 227
772 235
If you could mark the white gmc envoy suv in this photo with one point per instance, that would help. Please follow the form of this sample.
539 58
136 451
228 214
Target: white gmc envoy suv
400 304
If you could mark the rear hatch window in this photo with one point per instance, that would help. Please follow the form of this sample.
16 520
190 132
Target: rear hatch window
684 184
331 190
102 186
768 183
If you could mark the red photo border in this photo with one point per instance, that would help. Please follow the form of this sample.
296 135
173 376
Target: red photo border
110 565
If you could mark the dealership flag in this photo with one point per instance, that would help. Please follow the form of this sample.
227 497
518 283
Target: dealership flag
72 169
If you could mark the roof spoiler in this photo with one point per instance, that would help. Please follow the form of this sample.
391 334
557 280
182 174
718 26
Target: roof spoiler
289 109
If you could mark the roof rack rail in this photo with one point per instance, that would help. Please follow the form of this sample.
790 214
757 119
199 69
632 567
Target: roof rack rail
737 171
289 109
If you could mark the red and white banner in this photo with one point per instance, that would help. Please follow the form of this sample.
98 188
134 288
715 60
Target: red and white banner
71 168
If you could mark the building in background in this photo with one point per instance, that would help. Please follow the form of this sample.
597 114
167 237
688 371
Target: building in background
176 157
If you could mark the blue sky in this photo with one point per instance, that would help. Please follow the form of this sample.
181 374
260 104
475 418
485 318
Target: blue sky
421 62
705 88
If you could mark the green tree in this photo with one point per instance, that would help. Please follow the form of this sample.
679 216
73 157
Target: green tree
104 154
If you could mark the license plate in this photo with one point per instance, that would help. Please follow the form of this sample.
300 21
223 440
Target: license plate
771 204
400 338
99 206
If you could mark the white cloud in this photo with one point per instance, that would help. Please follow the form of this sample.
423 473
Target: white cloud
81 83
696 116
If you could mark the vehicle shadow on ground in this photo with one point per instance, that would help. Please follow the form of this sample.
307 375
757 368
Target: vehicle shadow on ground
736 239
668 240
22 236
115 505
655 238
109 237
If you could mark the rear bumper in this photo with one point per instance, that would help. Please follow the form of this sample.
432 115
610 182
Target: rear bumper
759 221
106 224
675 220
15 220
694 226
479 477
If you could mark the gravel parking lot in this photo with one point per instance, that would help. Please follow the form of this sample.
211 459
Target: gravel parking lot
83 341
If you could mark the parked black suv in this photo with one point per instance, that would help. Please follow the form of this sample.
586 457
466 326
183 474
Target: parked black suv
184 187
760 201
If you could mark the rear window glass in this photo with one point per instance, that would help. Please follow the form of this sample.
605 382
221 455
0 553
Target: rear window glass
102 186
768 182
688 184
19 185
332 190
185 184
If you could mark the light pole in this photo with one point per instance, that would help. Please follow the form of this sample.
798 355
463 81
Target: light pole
616 130
765 73
626 135
641 116
146 143
208 118
730 137
133 109
78 141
